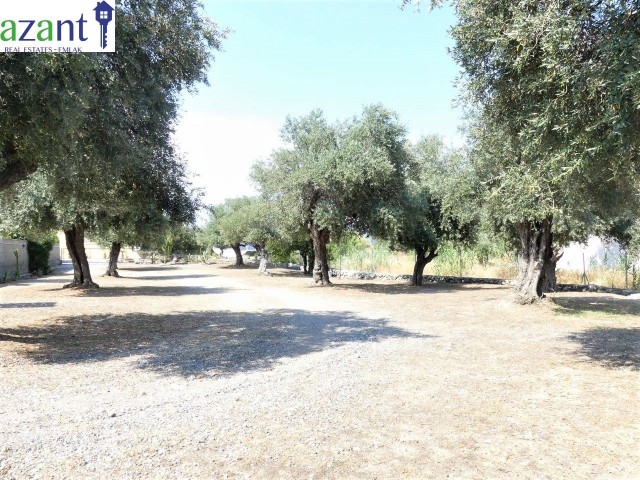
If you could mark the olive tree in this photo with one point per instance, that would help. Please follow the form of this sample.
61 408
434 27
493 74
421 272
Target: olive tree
438 203
332 177
556 124
131 101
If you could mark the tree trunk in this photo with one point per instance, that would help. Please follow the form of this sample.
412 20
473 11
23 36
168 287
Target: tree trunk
236 250
112 269
535 243
75 244
550 282
423 257
264 259
321 268
312 261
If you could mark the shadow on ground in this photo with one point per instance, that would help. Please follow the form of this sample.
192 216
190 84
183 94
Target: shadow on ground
199 342
167 277
289 273
577 305
611 347
148 268
28 305
148 291
233 266
406 289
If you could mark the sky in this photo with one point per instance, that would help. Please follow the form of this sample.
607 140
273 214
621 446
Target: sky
288 57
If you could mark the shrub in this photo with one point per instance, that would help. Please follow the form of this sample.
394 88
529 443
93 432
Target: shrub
39 256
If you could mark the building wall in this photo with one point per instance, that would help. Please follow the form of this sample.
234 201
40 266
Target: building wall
8 258
94 251
54 256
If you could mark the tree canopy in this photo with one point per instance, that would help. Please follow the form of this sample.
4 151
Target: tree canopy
331 177
119 149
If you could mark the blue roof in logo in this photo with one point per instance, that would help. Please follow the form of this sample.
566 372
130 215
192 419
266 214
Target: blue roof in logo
104 6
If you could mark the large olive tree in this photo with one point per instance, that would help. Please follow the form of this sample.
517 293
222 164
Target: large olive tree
332 177
552 87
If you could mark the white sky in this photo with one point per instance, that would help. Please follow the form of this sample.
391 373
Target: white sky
221 148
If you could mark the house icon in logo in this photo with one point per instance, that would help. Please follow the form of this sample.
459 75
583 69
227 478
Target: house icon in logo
104 15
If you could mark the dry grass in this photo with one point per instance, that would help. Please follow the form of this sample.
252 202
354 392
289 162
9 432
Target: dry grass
402 263
597 276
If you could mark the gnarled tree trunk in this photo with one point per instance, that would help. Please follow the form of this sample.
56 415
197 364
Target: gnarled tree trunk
75 244
236 250
264 259
114 253
550 283
312 262
535 244
423 257
320 238
307 257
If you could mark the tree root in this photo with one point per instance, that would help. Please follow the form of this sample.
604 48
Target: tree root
84 286
528 299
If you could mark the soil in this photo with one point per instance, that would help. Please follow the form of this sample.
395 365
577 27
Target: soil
204 371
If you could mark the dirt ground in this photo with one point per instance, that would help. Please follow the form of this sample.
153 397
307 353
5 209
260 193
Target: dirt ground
214 372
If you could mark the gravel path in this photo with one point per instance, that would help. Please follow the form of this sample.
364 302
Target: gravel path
211 372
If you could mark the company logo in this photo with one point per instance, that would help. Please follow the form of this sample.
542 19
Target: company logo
69 26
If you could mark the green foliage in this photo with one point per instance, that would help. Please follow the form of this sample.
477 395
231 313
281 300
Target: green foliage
489 247
283 252
290 242
555 124
167 248
62 112
186 240
439 199
453 260
39 255
240 220
336 176
114 168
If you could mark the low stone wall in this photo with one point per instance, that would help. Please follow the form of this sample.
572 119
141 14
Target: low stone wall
562 287
425 278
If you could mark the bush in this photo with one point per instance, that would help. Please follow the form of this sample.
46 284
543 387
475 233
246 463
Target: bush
39 256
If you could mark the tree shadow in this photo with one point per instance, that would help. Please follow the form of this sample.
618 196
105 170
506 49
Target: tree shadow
246 266
610 347
198 343
31 281
406 289
287 273
577 305
28 305
168 277
152 291
148 268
